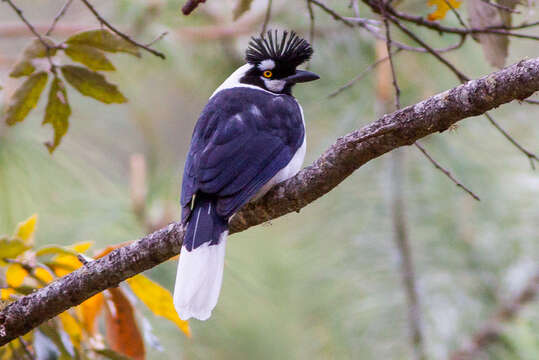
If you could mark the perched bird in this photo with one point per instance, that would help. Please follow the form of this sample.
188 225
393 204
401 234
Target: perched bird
249 137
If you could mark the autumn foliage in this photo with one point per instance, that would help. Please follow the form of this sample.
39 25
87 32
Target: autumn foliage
106 325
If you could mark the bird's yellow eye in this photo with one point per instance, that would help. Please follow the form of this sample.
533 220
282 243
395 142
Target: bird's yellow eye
267 74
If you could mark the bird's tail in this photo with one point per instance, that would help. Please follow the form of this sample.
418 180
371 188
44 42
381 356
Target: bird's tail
200 268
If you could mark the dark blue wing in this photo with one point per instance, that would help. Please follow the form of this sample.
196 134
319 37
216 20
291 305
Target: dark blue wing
242 139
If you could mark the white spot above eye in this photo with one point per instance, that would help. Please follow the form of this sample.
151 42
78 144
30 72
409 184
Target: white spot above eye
266 64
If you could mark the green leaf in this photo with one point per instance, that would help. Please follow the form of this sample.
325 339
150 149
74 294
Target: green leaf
10 248
57 112
89 56
104 40
22 68
92 84
241 7
111 354
25 98
35 49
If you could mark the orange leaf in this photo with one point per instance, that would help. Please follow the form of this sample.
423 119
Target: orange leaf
442 7
15 275
90 309
123 333
110 248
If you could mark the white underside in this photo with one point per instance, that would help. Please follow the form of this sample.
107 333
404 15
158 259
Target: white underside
290 170
198 280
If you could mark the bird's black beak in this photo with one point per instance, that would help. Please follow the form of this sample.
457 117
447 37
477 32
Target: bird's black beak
301 76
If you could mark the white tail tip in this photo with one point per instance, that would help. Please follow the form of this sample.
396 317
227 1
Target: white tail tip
199 279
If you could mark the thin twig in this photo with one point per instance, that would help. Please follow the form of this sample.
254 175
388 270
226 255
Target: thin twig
463 78
366 24
311 23
399 221
158 38
500 30
492 330
26 348
33 30
445 171
59 16
362 74
501 7
267 18
333 13
531 156
119 33
391 64
456 13
355 5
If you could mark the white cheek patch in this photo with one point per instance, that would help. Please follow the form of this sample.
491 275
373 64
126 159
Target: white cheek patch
274 85
266 65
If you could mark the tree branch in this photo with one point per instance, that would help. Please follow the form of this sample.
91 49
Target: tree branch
403 127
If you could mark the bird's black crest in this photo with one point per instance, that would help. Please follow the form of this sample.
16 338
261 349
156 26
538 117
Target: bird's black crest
291 49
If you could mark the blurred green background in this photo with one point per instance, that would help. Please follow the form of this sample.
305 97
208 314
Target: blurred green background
323 284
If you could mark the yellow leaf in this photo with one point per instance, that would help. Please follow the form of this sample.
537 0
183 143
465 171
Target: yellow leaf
82 247
6 293
26 229
43 275
11 248
90 309
66 263
158 300
15 275
442 8
71 327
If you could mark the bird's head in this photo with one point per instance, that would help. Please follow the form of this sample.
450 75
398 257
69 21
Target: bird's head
274 61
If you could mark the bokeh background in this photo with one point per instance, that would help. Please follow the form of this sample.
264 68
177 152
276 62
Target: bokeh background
322 284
